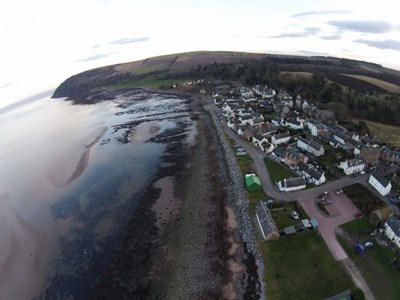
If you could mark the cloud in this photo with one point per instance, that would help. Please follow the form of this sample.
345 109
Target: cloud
130 40
322 12
331 37
308 31
366 26
386 44
96 57
7 84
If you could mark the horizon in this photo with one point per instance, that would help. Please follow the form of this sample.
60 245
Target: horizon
42 49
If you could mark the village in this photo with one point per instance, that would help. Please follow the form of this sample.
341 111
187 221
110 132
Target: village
311 163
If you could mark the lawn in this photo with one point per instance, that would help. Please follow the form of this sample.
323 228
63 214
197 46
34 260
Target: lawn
301 267
282 216
354 227
149 83
381 275
386 133
244 162
277 171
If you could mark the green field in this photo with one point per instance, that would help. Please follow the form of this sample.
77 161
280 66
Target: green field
381 275
282 216
149 83
301 267
277 171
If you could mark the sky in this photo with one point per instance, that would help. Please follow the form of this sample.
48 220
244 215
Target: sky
43 42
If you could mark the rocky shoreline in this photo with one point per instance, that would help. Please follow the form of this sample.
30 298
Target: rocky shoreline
194 242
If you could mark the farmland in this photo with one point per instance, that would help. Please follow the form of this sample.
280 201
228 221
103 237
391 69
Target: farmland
390 87
354 83
386 133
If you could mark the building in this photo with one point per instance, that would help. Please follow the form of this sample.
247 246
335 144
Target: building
279 153
340 137
311 174
380 183
293 157
252 182
281 138
266 223
388 155
310 146
392 230
352 166
294 124
292 184
370 155
316 128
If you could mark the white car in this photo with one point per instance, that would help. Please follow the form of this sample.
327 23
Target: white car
368 244
294 215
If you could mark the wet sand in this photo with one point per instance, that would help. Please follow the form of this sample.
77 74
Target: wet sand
70 165
144 131
21 254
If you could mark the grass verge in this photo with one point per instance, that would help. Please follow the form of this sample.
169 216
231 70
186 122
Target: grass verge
277 171
301 267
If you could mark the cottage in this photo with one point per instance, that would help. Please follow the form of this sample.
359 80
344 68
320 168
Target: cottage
293 157
340 137
352 166
294 124
380 183
310 146
292 184
281 138
260 141
311 174
266 223
392 230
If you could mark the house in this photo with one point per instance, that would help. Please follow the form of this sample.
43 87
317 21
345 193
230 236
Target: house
380 183
281 138
277 121
294 124
388 155
316 128
352 166
292 184
260 141
278 153
311 174
370 155
232 122
266 223
293 157
340 137
358 148
310 146
392 230
246 120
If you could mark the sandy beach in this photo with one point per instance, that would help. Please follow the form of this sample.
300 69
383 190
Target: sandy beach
69 165
21 254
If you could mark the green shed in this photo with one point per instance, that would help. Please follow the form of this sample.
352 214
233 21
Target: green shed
253 182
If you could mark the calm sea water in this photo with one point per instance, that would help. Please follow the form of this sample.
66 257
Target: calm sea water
71 177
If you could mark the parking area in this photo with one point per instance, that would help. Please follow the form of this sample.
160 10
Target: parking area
344 211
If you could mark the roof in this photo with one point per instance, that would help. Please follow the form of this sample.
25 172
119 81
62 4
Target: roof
252 179
282 136
355 162
257 137
292 182
279 151
294 122
314 223
345 295
315 145
290 230
267 225
394 224
302 167
306 223
339 135
382 180
315 174
303 140
370 151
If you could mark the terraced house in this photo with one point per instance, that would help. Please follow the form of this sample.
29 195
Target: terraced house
310 146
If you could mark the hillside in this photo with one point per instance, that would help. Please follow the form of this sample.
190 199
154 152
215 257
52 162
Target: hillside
174 66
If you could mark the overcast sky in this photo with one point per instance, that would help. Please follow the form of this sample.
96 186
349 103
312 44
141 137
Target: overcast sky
45 41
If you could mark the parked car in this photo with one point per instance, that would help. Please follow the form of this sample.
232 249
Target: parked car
294 215
368 244
338 192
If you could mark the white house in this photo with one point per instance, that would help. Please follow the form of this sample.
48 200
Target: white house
315 127
292 184
392 230
340 137
380 183
281 138
311 174
294 124
246 120
352 166
260 141
310 146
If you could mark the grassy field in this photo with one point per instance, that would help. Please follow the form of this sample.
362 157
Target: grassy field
354 227
277 171
390 87
386 133
297 74
149 83
282 216
381 275
301 267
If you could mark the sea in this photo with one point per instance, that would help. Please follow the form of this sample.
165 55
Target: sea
71 177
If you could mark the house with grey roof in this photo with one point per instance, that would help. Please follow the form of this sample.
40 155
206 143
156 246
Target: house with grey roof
311 174
294 124
280 138
392 230
380 183
310 146
292 184
352 166
266 223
